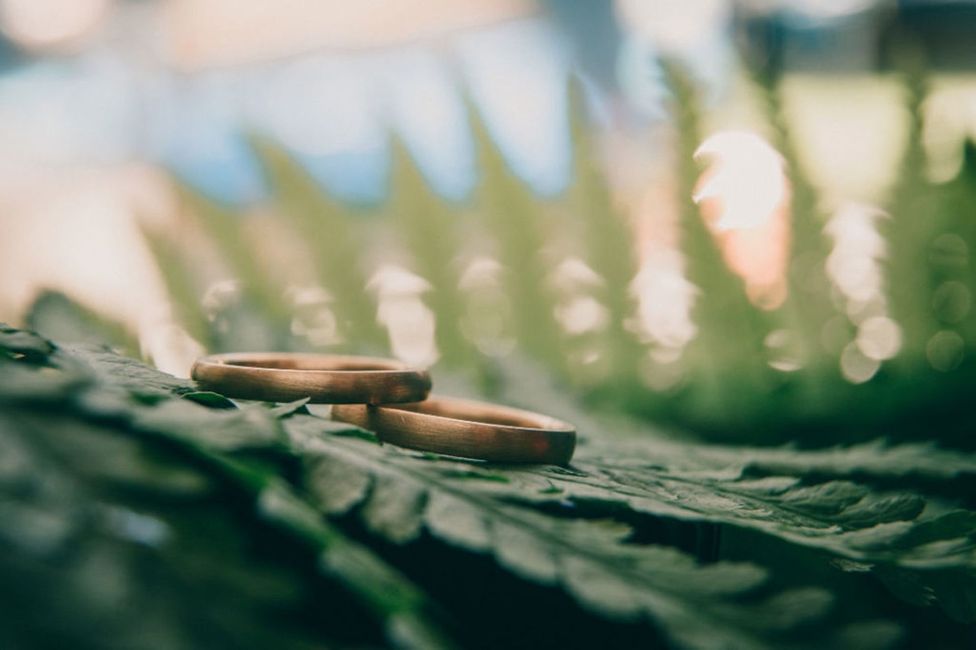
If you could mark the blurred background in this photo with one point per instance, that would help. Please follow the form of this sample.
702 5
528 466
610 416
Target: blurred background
730 214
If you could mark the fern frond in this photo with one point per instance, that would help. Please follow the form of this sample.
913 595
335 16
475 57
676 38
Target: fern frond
608 244
326 228
513 218
731 331
431 231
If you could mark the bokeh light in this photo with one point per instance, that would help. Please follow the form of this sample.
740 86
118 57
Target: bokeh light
41 24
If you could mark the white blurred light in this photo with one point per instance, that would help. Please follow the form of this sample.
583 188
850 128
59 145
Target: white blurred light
573 273
409 322
42 23
779 343
664 299
856 367
879 338
480 272
301 296
578 313
391 280
314 319
744 197
853 264
219 296
582 314
859 278
746 177
854 267
487 318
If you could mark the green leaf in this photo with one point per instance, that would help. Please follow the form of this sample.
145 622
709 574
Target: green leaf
875 458
594 531
21 344
127 374
400 495
210 428
129 445
210 399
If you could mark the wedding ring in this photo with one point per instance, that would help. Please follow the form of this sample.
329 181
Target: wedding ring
323 378
468 429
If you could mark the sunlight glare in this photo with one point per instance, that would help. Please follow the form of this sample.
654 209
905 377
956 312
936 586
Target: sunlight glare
746 177
744 197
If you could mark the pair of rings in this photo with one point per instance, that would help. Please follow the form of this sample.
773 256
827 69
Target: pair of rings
393 400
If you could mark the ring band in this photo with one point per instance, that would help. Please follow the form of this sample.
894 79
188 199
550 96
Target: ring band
323 378
468 429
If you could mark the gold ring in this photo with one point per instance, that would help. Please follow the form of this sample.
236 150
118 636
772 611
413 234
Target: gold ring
468 429
323 378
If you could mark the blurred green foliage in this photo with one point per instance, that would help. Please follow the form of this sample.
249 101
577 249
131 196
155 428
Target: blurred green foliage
728 390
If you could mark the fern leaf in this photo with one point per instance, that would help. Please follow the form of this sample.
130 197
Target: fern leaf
182 285
224 231
326 228
171 477
431 231
581 530
513 218
808 307
912 227
608 242
731 331
401 496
